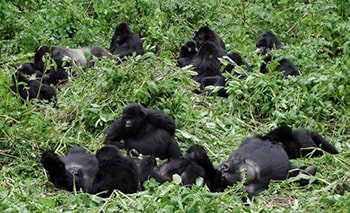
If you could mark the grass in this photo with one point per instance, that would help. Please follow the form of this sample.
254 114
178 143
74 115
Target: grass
316 37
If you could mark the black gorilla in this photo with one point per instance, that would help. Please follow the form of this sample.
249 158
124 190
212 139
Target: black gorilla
220 80
206 61
100 174
194 164
188 51
30 69
266 42
262 162
77 168
285 65
124 42
300 142
205 34
115 171
30 89
146 131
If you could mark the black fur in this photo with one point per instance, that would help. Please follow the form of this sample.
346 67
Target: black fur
194 164
77 168
205 34
148 131
262 161
267 41
124 42
115 171
285 65
188 51
32 89
301 142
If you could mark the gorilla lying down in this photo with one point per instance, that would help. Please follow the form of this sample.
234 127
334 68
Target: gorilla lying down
97 174
301 142
145 131
260 161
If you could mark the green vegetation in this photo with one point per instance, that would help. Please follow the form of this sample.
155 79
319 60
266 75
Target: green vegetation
316 36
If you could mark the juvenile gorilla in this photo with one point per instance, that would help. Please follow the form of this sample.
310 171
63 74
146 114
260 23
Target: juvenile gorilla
301 142
194 164
220 80
124 42
188 51
30 89
146 131
266 42
100 174
205 34
262 162
206 61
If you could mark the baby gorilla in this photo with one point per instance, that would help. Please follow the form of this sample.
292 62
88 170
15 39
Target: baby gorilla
146 131
100 174
262 162
124 42
266 42
219 80
194 164
301 142
31 89
188 51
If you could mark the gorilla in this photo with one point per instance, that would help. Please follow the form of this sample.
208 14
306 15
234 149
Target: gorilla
205 34
30 69
100 174
194 164
76 169
146 131
262 162
56 73
219 80
206 61
124 42
301 142
285 65
115 171
266 42
77 57
188 51
30 89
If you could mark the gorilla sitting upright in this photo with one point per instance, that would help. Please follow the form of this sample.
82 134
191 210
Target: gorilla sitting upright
145 131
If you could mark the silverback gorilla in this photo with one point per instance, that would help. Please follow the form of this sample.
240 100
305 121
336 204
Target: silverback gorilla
146 131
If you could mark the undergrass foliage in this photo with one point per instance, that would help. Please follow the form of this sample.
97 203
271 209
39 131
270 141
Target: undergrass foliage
316 37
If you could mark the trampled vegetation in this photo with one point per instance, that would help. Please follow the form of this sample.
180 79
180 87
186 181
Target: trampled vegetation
316 37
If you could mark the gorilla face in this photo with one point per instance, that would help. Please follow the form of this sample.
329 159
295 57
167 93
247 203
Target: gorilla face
132 117
266 42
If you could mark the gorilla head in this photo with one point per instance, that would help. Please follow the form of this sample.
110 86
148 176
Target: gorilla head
267 41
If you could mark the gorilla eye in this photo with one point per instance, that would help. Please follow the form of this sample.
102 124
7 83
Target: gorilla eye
225 167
